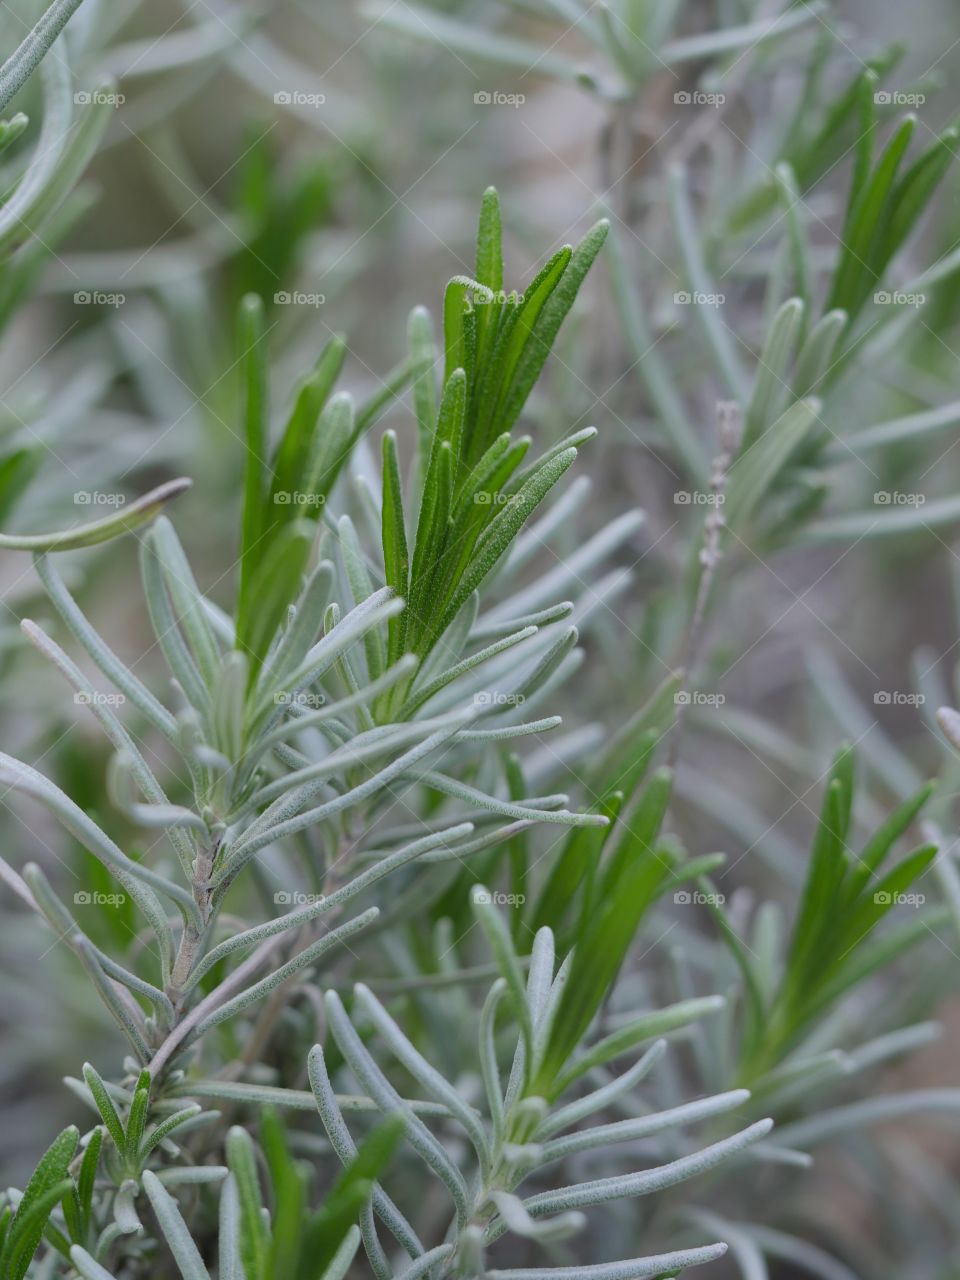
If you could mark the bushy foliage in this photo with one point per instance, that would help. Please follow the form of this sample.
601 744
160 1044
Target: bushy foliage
408 976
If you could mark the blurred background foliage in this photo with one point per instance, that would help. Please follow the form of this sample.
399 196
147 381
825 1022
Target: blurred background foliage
331 158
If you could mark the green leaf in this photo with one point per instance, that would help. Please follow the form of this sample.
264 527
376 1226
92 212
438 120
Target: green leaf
289 1200
828 867
336 434
292 457
878 847
108 1112
715 331
423 355
881 897
914 191
913 427
273 585
489 266
47 1186
86 1179
626 888
459 322
576 864
548 323
396 557
137 1118
650 366
253 363
873 955
167 1126
517 335
730 39
502 529
17 469
646 1026
867 227
254 1237
361 589
327 1229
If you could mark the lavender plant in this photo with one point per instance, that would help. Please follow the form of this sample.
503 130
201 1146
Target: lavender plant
398 975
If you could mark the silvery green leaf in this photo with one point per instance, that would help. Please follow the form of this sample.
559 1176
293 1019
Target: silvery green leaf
603 1190
577 569
425 1074
138 879
827 1125
759 464
379 1088
816 358
304 915
731 39
228 1235
153 1137
87 1266
601 1098
770 387
744 1251
186 599
808 1256
379 741
124 1210
112 667
175 1230
507 809
34 47
300 961
630 1269
719 338
346 1149
518 1221
261 835
167 629
425 1263
295 1099
124 520
643 1126
344 1256
199 1175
